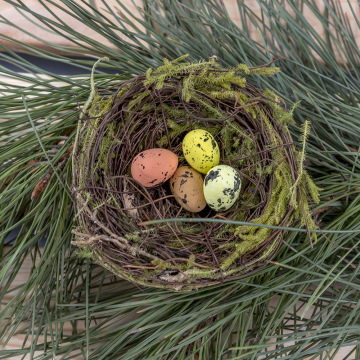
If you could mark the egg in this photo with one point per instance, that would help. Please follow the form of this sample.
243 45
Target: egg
201 150
153 167
222 187
187 186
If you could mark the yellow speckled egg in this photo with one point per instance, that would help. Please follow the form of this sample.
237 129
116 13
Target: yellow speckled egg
187 186
201 150
222 187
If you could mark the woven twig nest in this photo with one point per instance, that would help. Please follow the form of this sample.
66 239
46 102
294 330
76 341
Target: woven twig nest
157 110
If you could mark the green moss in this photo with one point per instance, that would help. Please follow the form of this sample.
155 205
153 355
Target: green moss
137 100
265 71
174 114
312 188
85 252
147 107
136 236
106 143
175 130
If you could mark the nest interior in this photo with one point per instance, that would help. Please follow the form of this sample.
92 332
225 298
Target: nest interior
157 110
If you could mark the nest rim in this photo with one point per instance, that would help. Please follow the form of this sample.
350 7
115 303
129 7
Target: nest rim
105 235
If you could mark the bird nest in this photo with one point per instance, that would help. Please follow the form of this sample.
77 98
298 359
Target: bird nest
143 234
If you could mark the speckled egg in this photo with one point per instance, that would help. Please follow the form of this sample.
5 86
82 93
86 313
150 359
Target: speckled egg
187 186
154 166
201 150
222 187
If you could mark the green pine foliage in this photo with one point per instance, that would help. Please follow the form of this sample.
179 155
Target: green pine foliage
302 305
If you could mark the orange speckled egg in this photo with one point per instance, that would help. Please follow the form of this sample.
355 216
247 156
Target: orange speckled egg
187 186
154 166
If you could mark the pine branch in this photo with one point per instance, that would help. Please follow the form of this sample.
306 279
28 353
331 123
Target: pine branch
246 318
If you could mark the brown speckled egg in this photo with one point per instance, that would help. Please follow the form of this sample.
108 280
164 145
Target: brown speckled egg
154 166
187 186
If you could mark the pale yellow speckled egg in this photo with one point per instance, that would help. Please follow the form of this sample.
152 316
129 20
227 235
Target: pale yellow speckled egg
222 186
201 150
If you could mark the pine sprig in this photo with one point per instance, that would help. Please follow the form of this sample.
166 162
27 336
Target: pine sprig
259 316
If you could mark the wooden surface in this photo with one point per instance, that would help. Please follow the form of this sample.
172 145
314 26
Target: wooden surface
48 35
8 11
